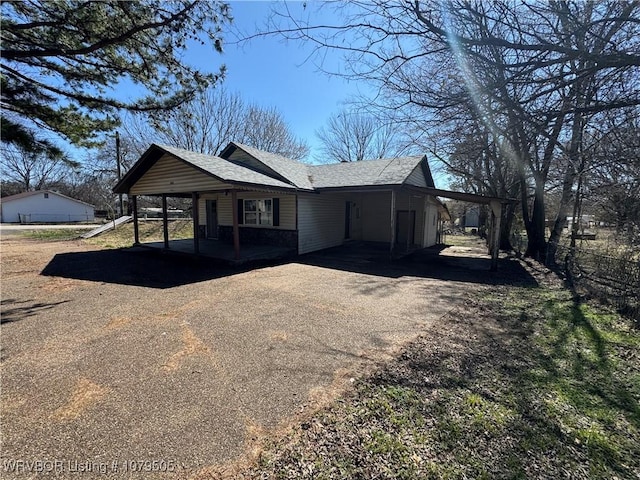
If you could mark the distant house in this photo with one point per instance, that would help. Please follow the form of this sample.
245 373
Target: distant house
471 217
247 196
44 206
586 221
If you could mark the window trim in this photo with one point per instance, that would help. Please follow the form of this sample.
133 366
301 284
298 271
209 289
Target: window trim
257 212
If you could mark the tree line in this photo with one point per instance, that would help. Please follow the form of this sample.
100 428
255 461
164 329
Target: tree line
524 100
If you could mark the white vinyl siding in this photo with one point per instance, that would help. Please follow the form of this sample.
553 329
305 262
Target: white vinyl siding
225 212
376 217
431 217
320 221
52 208
169 175
416 177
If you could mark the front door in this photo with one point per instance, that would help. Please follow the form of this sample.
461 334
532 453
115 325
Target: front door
405 227
212 219
347 221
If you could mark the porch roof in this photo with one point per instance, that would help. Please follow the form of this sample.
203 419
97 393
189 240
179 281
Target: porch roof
216 167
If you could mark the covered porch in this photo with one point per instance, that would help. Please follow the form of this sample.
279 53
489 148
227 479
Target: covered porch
220 250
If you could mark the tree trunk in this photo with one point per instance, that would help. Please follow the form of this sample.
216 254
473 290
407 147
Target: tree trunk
508 214
561 218
536 244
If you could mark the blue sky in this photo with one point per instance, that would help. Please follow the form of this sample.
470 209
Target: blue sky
272 72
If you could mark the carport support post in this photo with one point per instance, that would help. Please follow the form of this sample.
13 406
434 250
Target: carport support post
165 221
236 228
196 221
134 210
393 222
496 210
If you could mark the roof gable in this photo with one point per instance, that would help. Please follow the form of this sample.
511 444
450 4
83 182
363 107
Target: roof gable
294 172
215 167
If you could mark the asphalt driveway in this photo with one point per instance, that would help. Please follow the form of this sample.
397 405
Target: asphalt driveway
114 357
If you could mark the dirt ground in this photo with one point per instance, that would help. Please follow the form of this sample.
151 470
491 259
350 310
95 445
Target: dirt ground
134 364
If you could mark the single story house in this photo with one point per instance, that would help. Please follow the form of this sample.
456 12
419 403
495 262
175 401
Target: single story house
247 196
44 206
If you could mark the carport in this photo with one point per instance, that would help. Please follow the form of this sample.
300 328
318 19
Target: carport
497 207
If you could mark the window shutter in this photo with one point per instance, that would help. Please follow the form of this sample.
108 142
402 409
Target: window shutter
276 212
240 211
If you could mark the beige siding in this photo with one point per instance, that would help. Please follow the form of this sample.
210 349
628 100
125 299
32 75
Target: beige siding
376 217
321 221
202 206
417 177
287 209
170 175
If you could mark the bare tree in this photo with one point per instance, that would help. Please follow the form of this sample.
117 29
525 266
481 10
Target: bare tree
535 74
212 120
354 136
266 129
612 183
33 168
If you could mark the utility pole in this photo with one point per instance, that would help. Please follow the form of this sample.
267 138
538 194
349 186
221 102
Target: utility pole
121 203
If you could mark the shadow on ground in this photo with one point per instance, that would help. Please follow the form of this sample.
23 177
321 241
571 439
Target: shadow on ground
163 270
433 263
16 310
140 268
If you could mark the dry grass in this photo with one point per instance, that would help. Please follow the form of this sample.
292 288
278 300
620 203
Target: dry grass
150 231
84 395
191 345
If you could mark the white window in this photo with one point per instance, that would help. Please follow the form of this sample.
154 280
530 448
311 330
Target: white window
46 195
258 212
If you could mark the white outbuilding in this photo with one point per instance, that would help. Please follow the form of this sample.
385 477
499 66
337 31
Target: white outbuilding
44 206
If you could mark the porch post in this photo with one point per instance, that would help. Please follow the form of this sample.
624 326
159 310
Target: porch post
196 222
134 211
496 210
236 228
165 221
393 222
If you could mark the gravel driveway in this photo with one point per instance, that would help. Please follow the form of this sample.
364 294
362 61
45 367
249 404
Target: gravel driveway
114 357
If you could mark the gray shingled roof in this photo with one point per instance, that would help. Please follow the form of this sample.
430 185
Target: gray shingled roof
390 171
296 172
223 169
